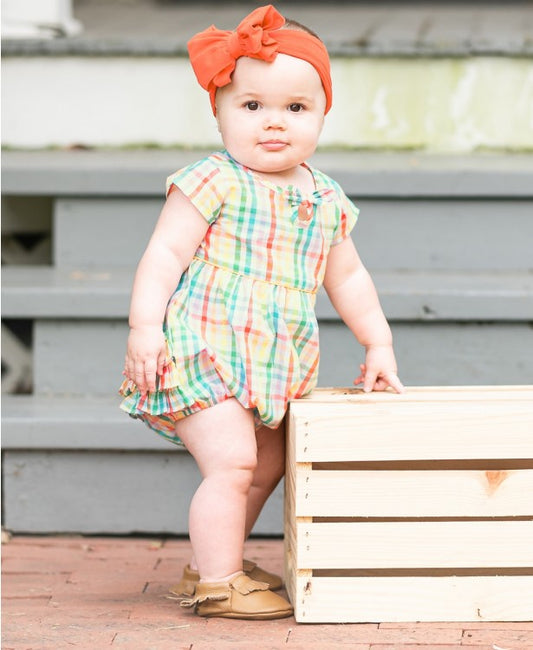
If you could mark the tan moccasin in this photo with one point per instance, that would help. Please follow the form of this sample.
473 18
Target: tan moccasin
241 597
190 579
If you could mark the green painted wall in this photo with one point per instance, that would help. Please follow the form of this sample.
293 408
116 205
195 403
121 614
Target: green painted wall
449 104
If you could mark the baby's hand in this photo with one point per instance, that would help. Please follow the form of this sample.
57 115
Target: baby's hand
379 371
145 356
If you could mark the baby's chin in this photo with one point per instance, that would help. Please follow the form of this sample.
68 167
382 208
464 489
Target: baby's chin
269 162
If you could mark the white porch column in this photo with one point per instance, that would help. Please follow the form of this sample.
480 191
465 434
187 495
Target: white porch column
38 19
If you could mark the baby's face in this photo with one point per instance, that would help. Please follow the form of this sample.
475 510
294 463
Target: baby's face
271 114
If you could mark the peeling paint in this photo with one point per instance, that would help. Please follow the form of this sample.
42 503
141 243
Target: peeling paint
454 104
379 109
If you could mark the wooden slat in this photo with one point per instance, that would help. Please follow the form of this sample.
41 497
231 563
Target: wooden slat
417 394
354 600
411 431
290 518
424 493
443 544
437 424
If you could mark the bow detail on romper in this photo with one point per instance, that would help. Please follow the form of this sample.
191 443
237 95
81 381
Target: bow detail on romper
305 204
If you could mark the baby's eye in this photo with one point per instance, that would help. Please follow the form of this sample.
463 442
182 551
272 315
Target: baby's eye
295 108
252 106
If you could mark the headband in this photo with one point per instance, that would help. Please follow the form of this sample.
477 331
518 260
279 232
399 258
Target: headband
214 52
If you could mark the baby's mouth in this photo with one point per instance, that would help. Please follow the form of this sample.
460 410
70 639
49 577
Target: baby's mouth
273 145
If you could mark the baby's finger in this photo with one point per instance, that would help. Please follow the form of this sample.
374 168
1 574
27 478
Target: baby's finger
150 369
370 381
394 382
139 377
360 379
161 359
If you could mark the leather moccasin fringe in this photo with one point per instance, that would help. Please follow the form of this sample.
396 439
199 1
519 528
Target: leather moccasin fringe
217 591
245 585
241 597
190 579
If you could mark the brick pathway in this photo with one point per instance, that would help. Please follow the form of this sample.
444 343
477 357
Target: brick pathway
94 593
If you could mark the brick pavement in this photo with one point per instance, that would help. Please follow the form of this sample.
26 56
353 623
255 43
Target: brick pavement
93 593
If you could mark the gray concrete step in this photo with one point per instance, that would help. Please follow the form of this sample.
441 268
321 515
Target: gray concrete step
67 422
142 172
80 465
446 263
417 211
416 233
49 293
109 492
378 28
86 357
461 314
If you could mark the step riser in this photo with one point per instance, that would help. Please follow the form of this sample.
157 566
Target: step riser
88 357
91 233
43 293
120 493
391 234
435 103
142 173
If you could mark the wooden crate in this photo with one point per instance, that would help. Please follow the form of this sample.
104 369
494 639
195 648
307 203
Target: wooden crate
413 507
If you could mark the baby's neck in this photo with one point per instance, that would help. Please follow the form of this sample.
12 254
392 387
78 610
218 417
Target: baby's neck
300 177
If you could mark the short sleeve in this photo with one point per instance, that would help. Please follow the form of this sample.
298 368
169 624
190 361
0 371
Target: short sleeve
203 184
347 220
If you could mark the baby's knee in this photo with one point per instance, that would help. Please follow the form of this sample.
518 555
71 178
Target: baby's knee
238 466
238 478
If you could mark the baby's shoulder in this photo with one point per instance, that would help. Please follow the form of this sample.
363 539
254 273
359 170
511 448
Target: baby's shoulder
213 164
215 170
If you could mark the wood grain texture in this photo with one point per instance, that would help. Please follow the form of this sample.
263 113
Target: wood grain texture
355 600
461 454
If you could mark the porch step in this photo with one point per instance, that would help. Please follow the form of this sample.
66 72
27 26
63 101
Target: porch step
404 76
80 465
379 28
70 422
142 172
452 272
52 293
418 211
447 240
446 326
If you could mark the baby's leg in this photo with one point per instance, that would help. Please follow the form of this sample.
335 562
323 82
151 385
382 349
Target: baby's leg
222 440
270 469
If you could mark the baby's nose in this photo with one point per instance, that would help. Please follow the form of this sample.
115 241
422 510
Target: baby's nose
275 120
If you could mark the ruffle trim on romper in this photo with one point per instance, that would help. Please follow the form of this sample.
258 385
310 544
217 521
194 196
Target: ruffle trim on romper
162 408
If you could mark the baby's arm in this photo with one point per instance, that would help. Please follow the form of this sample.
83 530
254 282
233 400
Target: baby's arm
176 237
352 293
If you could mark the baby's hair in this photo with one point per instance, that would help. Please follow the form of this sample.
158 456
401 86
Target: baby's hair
298 27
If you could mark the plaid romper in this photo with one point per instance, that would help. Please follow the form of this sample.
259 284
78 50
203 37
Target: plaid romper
241 321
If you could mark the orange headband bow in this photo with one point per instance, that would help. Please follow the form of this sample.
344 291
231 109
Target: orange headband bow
213 52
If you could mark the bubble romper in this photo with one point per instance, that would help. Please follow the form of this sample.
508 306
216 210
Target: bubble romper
241 322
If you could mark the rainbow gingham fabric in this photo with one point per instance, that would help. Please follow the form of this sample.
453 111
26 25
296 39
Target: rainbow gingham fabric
241 322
